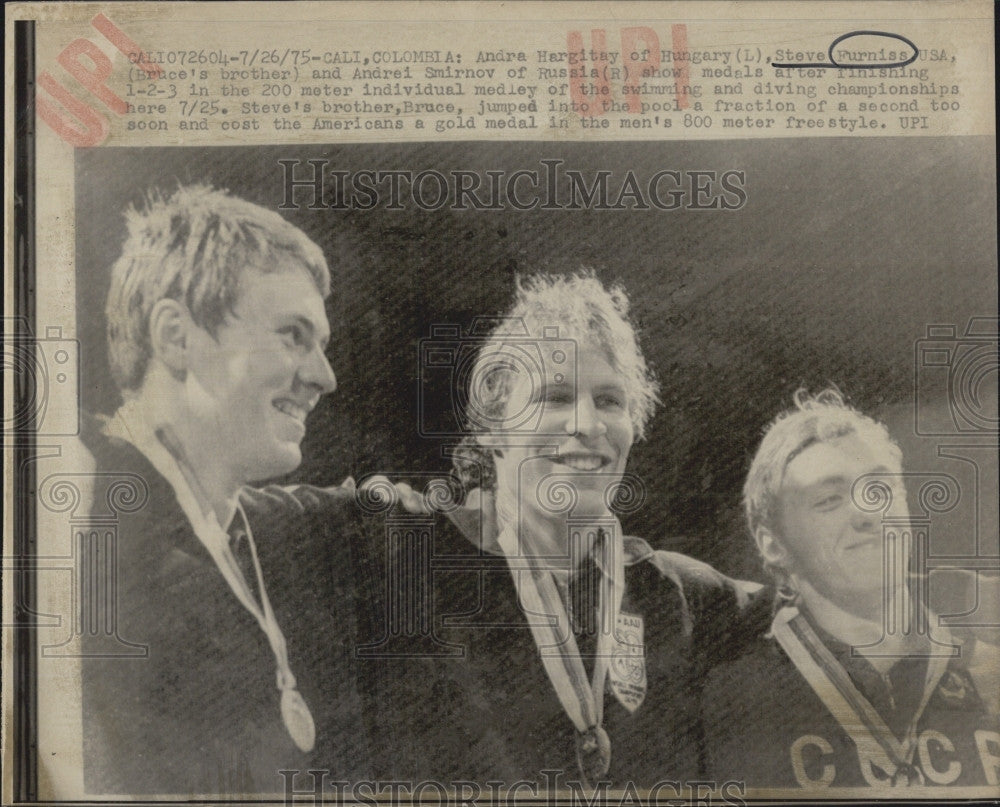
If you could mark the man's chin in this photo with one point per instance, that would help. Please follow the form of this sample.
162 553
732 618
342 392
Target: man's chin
591 504
281 462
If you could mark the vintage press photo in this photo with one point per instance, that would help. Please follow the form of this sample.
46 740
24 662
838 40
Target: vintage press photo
487 403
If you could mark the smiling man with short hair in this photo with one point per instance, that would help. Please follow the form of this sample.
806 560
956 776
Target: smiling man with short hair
846 691
243 597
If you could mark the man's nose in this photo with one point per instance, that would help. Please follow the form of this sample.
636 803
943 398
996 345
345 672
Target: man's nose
318 373
864 520
588 418
888 502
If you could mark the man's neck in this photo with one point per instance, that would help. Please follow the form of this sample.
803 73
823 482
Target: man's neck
862 625
548 541
148 422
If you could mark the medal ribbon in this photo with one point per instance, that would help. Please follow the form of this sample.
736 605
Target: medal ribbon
163 450
875 742
549 621
294 710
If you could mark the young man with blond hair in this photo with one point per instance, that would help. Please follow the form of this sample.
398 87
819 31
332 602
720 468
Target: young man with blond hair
846 691
241 598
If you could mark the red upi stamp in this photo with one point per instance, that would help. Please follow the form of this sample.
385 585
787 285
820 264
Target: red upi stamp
595 72
82 123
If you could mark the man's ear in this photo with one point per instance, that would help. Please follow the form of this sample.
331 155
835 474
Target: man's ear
169 335
771 548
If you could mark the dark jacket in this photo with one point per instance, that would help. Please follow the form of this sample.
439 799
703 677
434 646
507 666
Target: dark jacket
484 709
199 712
766 726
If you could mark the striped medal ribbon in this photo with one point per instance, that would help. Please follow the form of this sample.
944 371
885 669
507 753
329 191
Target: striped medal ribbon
878 749
582 700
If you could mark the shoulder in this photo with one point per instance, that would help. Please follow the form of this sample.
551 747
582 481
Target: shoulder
111 454
299 501
757 685
721 614
690 575
304 532
122 486
760 659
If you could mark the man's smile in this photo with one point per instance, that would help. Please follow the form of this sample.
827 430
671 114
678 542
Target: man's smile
294 410
582 460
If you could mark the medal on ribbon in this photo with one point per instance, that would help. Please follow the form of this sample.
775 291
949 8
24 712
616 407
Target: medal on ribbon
882 756
593 754
295 713
907 775
551 627
298 719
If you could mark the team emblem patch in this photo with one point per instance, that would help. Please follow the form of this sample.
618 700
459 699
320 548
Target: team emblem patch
627 671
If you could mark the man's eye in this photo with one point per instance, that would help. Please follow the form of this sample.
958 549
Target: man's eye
557 397
611 401
293 335
829 502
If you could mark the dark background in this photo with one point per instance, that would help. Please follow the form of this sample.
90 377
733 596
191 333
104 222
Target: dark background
845 252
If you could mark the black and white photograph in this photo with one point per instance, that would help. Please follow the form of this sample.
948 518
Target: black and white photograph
614 469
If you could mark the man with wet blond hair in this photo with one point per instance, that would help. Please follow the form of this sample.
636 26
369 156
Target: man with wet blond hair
195 246
583 648
838 695
241 599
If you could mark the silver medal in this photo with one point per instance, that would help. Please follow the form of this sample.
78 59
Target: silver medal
907 776
298 719
593 754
